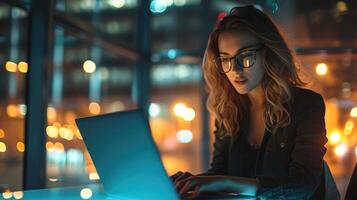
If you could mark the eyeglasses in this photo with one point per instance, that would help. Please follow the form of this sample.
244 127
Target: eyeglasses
243 59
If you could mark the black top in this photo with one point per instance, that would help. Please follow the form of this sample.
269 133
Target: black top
248 159
351 193
292 164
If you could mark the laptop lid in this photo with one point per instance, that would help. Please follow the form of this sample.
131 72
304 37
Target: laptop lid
125 155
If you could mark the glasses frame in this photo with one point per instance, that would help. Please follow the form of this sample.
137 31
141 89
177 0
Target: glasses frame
218 62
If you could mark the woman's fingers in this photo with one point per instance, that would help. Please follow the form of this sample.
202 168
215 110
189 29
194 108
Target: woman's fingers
173 177
189 184
182 177
180 183
196 191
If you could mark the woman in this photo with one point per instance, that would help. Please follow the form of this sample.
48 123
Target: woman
270 133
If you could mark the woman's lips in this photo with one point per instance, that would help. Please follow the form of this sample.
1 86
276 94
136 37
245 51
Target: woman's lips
240 81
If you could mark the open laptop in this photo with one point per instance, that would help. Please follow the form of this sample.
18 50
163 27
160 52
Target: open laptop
126 157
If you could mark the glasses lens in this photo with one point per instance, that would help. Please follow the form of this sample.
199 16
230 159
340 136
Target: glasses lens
224 64
245 59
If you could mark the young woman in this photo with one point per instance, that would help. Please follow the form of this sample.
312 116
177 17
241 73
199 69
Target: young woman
270 133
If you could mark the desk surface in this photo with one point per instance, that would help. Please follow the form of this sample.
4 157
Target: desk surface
92 192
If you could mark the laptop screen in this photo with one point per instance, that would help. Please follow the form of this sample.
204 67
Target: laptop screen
125 155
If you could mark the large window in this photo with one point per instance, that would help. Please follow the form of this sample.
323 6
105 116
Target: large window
13 62
86 79
332 75
176 77
114 19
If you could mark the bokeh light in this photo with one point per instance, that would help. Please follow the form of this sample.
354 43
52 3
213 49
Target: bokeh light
51 113
335 137
341 149
53 179
66 133
94 108
180 2
321 69
7 194
184 136
52 131
2 133
11 66
348 127
93 176
154 110
353 112
2 147
172 54
341 6
89 66
117 3
59 148
23 67
12 110
50 147
189 114
20 146
158 6
86 193
179 109
18 195
22 109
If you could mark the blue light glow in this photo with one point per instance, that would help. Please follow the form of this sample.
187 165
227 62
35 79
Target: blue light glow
172 53
74 157
154 110
158 6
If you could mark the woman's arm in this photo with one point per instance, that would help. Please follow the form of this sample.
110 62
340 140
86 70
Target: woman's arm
305 168
242 185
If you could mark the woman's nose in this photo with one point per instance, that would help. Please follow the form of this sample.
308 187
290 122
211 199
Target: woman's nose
236 66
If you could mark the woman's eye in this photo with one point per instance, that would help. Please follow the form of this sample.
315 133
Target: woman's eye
225 60
247 62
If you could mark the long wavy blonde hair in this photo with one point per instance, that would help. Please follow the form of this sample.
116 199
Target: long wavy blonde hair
228 106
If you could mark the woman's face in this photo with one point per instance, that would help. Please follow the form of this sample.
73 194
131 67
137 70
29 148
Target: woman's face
244 80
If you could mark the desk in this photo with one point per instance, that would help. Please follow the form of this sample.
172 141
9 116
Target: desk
96 191
66 193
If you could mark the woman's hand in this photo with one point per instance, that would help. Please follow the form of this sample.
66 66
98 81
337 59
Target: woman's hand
199 184
180 176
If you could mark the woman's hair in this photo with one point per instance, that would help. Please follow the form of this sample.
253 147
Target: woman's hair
230 107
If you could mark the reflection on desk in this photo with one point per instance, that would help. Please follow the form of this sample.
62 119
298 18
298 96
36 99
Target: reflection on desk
220 196
93 192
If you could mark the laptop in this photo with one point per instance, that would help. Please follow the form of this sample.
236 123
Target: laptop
126 157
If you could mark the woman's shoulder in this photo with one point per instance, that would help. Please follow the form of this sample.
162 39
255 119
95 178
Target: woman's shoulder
305 93
304 98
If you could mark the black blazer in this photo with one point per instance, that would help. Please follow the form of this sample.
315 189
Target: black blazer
351 193
293 160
